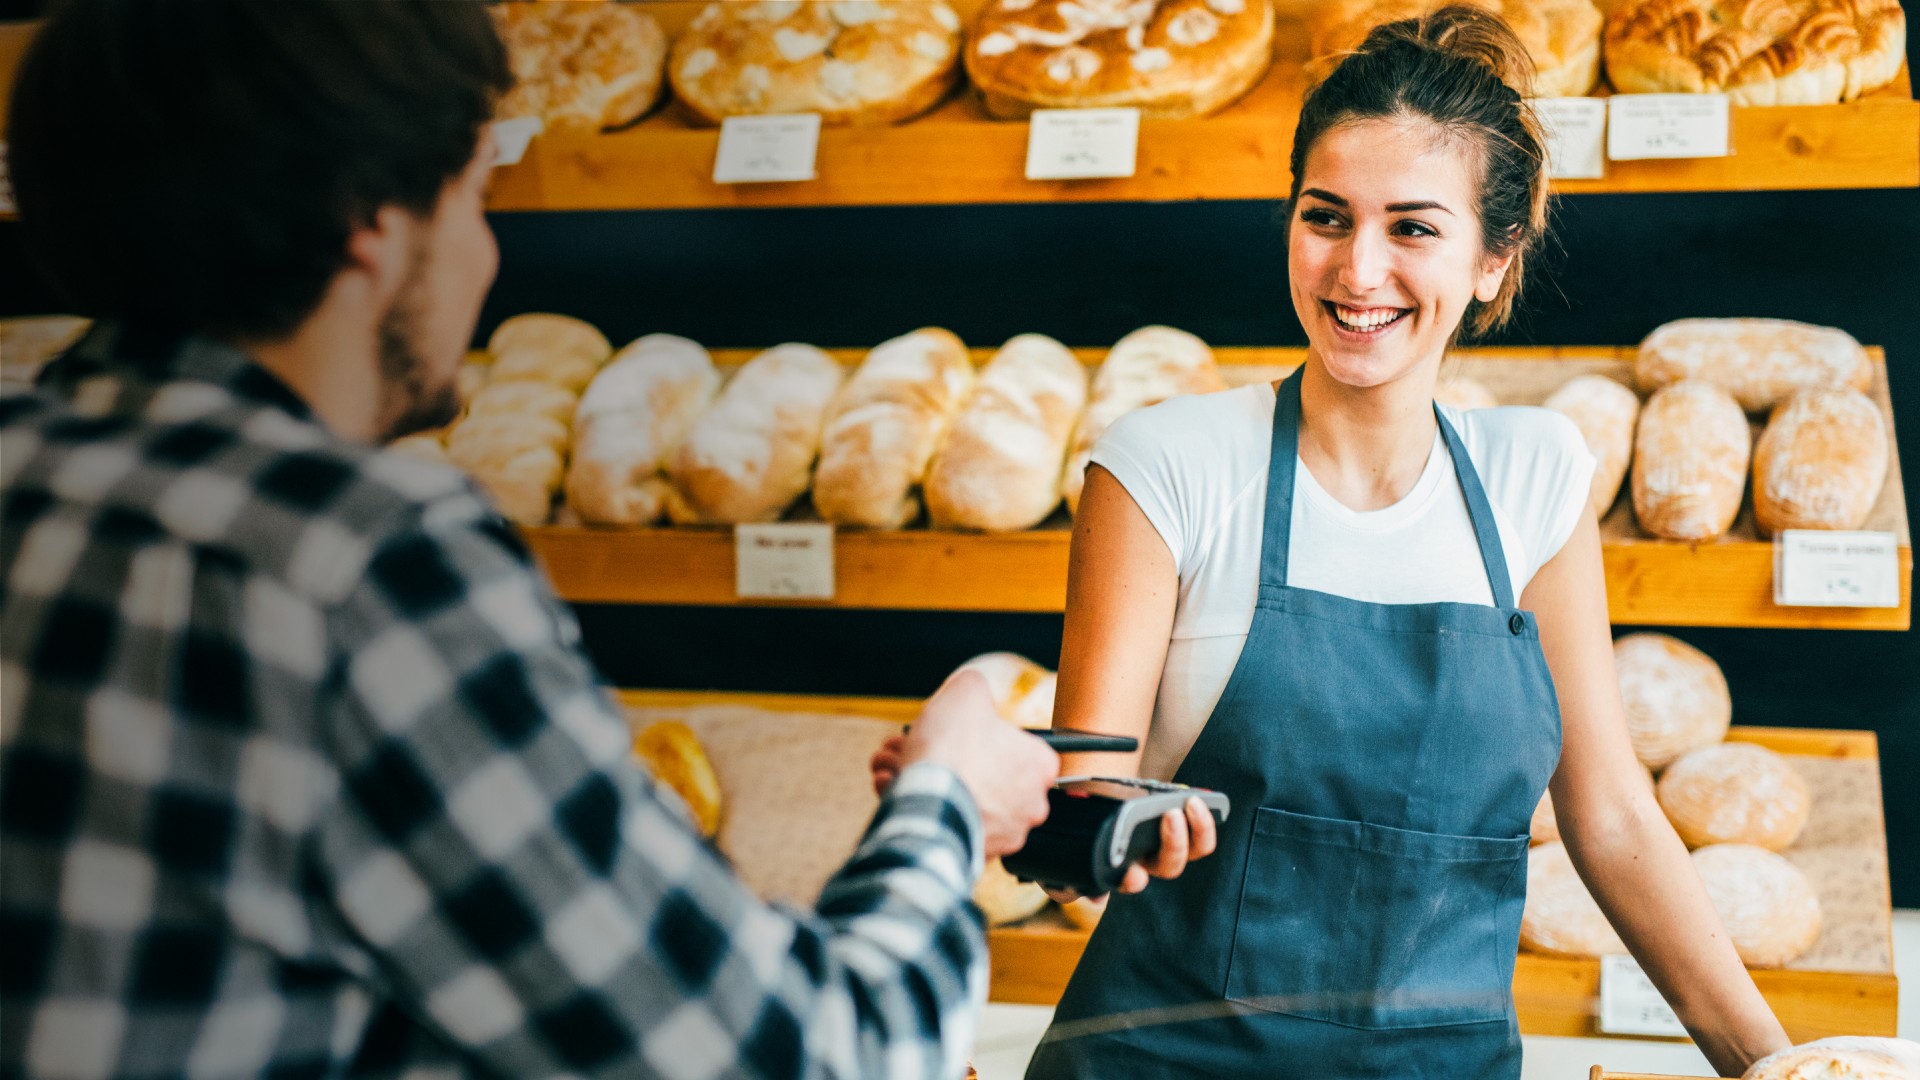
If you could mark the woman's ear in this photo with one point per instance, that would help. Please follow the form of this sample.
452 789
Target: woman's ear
1493 272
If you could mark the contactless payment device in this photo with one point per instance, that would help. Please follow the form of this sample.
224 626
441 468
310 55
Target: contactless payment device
1097 825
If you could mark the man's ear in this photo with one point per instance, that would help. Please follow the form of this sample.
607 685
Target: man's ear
382 249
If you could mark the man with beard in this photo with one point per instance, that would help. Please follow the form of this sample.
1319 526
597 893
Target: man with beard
301 771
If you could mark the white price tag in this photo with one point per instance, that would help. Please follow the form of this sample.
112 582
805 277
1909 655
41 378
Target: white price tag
1641 126
1576 136
1082 144
1629 1004
6 184
1815 568
763 149
783 562
511 138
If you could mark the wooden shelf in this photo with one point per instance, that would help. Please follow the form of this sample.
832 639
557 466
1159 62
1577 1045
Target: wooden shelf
1727 582
957 154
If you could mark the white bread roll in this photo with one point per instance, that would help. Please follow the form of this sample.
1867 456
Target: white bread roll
751 455
1767 904
1022 690
1561 918
1144 368
884 426
633 416
1003 898
519 458
1465 394
999 470
1675 696
1841 1058
1735 793
557 349
1820 463
1545 826
1690 462
1759 361
1605 412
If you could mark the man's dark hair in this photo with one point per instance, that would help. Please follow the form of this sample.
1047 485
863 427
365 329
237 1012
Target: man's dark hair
201 165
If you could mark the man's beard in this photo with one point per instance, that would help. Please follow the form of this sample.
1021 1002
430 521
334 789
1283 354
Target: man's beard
410 402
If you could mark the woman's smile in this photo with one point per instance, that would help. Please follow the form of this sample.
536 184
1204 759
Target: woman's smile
1364 324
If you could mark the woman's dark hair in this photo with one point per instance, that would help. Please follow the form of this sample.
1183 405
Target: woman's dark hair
1463 69
201 165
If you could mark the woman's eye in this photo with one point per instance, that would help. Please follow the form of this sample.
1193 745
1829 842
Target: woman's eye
1414 228
1321 218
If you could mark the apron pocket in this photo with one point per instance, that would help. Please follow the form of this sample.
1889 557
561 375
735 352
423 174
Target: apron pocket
1374 927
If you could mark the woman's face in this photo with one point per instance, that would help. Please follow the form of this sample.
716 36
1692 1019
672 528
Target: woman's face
1384 250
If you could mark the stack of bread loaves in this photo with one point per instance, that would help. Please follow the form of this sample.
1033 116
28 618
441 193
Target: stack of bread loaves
884 426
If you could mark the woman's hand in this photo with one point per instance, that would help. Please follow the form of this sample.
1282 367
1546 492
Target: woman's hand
1184 837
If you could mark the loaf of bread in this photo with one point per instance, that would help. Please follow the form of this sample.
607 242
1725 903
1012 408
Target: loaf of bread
999 470
1759 361
1464 394
1022 690
1561 917
1003 898
1735 793
1767 905
1561 36
851 61
1144 368
1086 911
513 440
555 349
431 445
1820 462
884 426
1690 461
1168 58
1605 412
1757 52
751 455
472 376
1675 697
673 754
1841 1058
581 66
633 416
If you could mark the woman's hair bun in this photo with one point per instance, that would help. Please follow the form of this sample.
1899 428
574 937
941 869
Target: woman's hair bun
1462 31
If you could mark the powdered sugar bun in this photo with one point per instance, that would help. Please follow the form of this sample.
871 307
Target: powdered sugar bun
1767 904
1676 697
1820 463
1606 413
1841 1058
1146 367
1465 394
1735 793
1561 917
1690 461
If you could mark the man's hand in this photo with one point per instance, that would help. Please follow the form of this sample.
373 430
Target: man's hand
1183 838
1006 770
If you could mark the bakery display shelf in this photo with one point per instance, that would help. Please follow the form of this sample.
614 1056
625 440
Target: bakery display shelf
957 154
1727 582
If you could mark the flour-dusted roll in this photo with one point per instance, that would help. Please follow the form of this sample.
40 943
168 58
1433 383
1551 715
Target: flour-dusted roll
999 470
539 347
1022 690
632 417
519 458
1841 1058
1144 368
1605 412
1464 394
884 427
1759 361
1561 917
1735 793
581 66
1003 898
1820 463
1675 696
1757 52
1769 908
1690 461
751 455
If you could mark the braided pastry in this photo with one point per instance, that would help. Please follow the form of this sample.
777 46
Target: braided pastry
1758 52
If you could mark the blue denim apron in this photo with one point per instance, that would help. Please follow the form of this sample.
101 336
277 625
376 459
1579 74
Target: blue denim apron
1361 915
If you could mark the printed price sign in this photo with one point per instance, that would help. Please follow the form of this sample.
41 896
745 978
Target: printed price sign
1641 126
1082 144
6 184
511 138
783 562
767 149
1815 568
1576 136
1629 1004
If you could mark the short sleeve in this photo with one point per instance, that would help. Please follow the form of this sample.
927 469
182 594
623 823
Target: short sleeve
1138 450
1560 485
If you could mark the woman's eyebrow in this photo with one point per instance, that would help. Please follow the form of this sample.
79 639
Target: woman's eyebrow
1409 207
1325 196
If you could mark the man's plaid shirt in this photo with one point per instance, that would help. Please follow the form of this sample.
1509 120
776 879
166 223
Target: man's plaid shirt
302 775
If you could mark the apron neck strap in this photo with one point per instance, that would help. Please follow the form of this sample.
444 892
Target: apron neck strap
1277 537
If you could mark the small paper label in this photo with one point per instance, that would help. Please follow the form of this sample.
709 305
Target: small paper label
783 562
511 138
1641 126
1576 136
1629 1003
1082 144
764 149
6 184
1815 568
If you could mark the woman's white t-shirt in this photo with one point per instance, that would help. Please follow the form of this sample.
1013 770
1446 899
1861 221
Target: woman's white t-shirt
1197 467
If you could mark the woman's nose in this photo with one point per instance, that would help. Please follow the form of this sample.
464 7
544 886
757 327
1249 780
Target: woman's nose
1365 264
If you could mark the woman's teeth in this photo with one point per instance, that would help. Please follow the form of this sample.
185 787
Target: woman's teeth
1364 321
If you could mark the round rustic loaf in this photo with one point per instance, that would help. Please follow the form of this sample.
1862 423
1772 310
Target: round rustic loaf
1735 793
1605 412
581 66
1759 361
1675 696
1562 37
1767 905
1561 917
1841 1058
1820 463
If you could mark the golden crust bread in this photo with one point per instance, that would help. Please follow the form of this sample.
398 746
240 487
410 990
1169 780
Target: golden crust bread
1761 362
1168 58
673 754
539 347
1690 458
1562 36
1003 898
1758 52
851 61
1821 462
884 426
581 66
1766 903
1735 793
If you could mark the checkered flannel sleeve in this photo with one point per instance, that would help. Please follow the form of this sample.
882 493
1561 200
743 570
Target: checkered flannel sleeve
520 882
